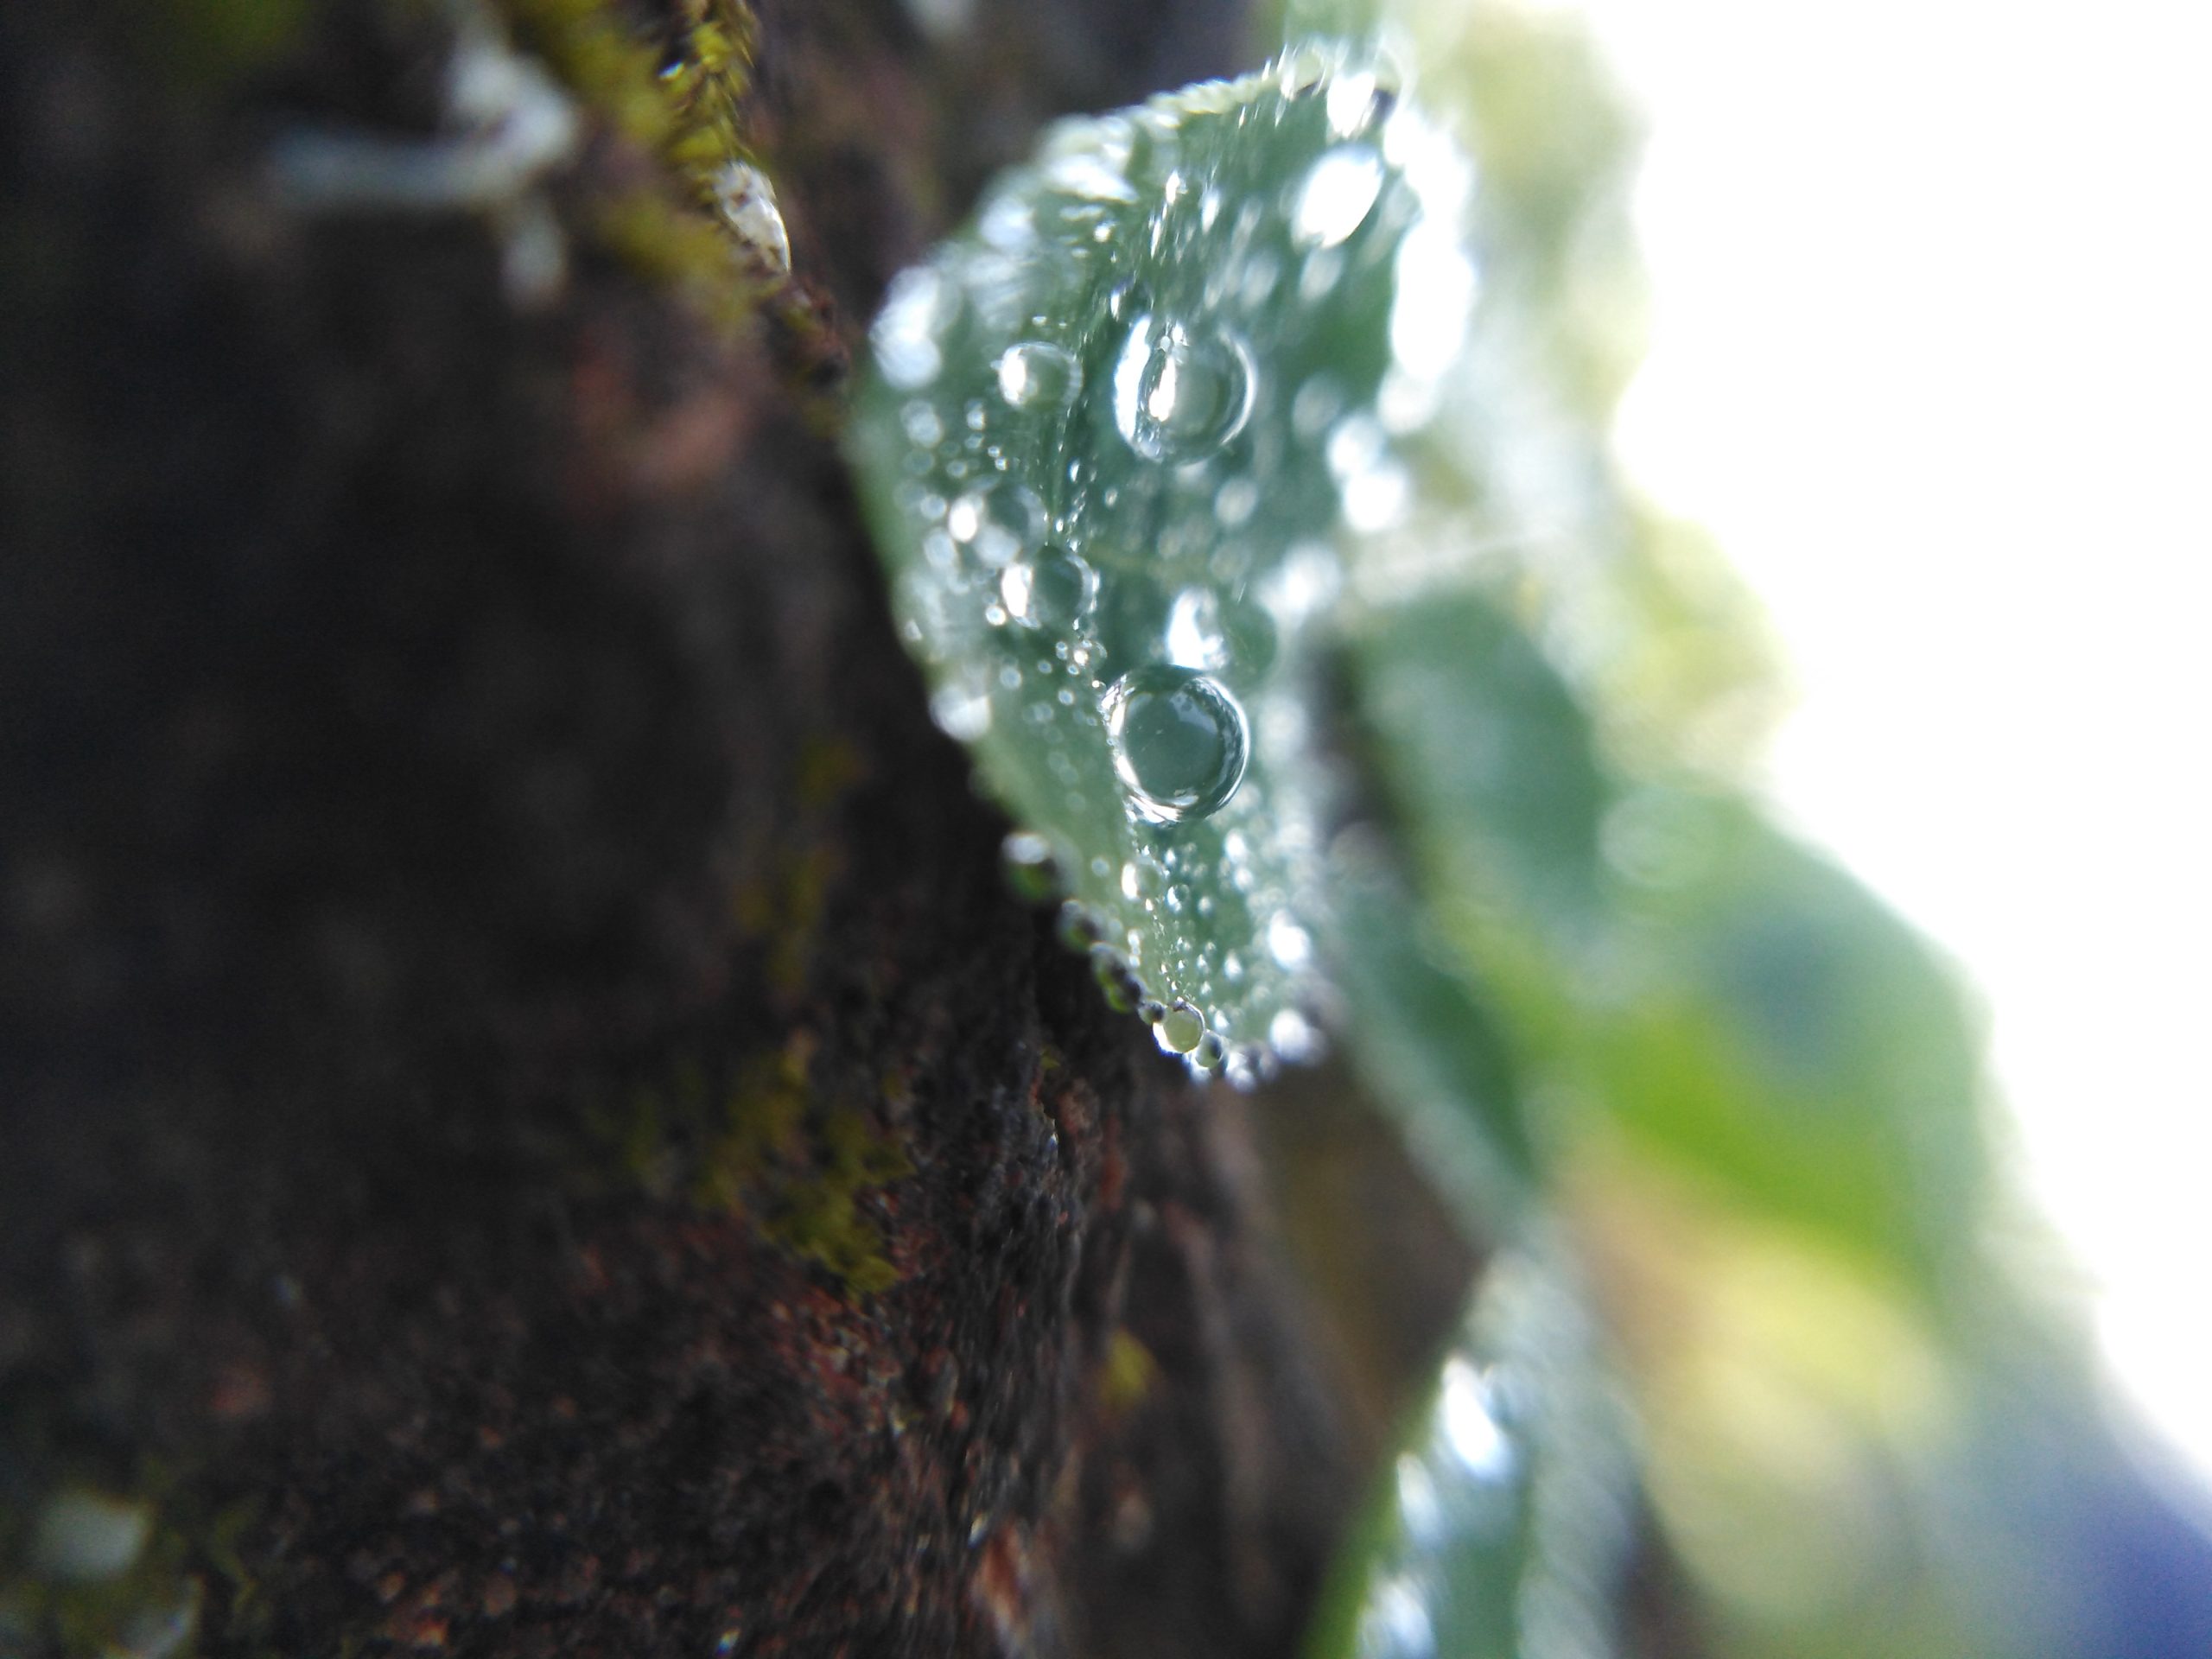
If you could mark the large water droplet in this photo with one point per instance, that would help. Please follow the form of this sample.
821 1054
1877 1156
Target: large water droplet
1179 741
998 522
1036 374
1338 193
1180 392
1054 589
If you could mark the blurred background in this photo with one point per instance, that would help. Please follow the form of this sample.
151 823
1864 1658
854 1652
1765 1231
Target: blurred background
1886 330
1930 355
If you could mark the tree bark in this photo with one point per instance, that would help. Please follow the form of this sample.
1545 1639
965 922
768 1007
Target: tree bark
532 1124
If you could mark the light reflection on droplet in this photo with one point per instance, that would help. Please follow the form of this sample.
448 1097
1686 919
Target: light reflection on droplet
1178 742
1036 374
1054 588
1180 392
998 522
904 336
1472 1433
961 711
1338 193
1395 1623
1287 943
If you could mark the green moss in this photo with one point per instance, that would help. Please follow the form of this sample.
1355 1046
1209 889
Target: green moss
796 1167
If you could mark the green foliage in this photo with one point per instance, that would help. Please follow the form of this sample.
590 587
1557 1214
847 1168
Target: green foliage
1495 1530
1112 435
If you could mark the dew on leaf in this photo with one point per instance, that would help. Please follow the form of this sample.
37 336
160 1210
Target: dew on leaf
1180 1027
1078 928
1094 446
1180 392
1054 589
998 522
1031 869
961 711
1036 374
1179 741
1337 196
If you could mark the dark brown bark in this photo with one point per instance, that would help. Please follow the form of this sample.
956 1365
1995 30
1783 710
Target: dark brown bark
532 1122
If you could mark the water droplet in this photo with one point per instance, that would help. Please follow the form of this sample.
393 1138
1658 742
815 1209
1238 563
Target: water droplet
1031 869
1395 1623
1291 945
1420 1511
961 711
904 336
1037 375
1055 590
1356 101
1180 1027
1123 986
1179 741
1235 502
1211 1053
1078 927
998 522
1338 193
921 424
1292 1036
1231 637
1470 1430
1180 393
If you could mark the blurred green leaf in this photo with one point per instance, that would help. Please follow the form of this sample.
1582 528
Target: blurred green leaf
1497 1530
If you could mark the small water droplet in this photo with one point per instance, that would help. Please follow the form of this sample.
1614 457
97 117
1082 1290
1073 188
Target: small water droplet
905 332
1292 1036
1179 741
1338 193
1395 1623
1357 101
1036 374
1471 1430
1180 1027
1180 392
921 424
1235 502
1054 589
1078 927
1123 987
1211 1053
1031 869
998 522
1287 943
961 711
1231 637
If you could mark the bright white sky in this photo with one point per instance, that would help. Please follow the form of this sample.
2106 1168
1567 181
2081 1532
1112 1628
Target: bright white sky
1934 359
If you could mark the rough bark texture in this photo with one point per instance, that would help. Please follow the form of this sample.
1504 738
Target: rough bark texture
532 1123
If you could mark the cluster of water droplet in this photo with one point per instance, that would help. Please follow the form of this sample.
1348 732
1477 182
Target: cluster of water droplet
1114 435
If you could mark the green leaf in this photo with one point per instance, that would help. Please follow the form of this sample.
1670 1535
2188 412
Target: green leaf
1112 439
1497 1531
1728 996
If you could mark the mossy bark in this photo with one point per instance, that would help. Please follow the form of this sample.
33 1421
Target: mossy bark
532 1124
